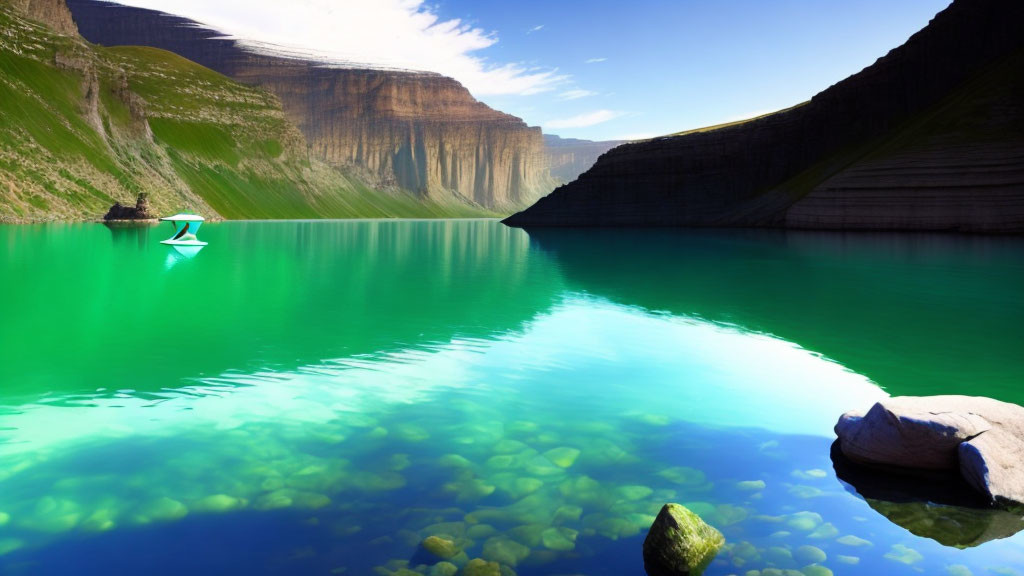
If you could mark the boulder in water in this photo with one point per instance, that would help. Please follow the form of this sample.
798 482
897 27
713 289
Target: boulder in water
981 438
679 543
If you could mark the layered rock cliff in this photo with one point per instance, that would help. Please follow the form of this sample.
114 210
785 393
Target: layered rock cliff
417 131
83 127
569 157
930 137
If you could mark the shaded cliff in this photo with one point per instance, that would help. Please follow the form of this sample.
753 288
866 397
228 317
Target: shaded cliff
930 137
421 132
569 157
53 13
83 127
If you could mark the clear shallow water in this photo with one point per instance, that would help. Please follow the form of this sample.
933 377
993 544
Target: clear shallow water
317 397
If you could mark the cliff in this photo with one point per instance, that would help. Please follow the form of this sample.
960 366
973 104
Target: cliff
567 158
420 132
53 13
930 137
83 127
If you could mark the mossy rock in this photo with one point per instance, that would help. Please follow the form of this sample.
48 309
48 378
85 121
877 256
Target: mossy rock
440 547
679 543
481 567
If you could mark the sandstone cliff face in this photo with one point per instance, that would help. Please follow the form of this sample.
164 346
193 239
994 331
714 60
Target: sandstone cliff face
417 131
915 141
53 13
569 157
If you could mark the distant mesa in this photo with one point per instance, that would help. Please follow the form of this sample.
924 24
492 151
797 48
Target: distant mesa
569 157
929 137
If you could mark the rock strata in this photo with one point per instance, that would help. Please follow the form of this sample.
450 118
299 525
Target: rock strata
418 131
930 137
679 543
980 437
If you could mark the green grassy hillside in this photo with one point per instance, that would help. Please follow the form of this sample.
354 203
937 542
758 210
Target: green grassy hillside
83 126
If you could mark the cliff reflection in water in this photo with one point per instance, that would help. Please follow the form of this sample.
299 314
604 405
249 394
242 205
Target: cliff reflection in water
269 296
917 313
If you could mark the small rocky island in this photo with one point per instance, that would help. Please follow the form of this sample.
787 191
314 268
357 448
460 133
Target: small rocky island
138 213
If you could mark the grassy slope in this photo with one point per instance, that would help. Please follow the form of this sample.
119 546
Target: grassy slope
216 147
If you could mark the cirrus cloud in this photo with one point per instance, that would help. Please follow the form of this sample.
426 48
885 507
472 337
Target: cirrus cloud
404 34
584 120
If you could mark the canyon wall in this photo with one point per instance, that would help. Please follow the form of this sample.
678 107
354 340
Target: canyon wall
930 137
421 132
569 157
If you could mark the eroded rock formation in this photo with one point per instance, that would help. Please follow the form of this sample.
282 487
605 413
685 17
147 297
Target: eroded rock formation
930 137
418 131
53 13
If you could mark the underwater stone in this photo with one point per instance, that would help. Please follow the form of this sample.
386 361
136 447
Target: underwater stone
801 491
561 539
481 567
567 513
563 456
508 446
163 509
100 520
904 555
804 521
809 555
505 551
727 514
454 461
683 475
481 531
679 543
778 555
217 503
8 545
851 540
4 518
851 560
54 515
444 569
274 500
958 570
826 531
750 485
633 493
815 570
440 547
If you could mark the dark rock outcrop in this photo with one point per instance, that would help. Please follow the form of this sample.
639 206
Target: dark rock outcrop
981 438
569 157
930 137
422 132
138 212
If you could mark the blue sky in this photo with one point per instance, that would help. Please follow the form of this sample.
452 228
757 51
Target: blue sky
597 69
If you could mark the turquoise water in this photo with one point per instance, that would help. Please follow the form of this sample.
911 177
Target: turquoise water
318 397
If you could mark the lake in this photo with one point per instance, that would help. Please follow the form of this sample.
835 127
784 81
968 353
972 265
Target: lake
319 397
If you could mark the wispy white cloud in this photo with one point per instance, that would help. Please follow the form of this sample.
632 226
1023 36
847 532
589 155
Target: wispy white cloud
594 60
576 94
584 120
536 28
405 34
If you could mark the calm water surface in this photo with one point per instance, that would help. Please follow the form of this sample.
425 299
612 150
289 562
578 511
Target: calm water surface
318 397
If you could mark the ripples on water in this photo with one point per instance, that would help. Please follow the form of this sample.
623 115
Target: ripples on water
317 398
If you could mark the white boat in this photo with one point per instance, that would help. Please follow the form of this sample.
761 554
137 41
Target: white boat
185 228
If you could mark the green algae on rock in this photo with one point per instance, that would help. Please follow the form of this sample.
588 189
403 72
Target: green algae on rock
679 543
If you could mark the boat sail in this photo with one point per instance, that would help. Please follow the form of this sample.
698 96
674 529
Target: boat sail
185 228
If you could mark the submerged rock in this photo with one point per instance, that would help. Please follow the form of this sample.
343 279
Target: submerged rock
440 547
679 543
980 437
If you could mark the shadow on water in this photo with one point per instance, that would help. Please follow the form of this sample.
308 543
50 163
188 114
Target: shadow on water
917 313
937 505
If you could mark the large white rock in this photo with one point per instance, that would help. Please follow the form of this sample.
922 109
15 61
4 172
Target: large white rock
982 437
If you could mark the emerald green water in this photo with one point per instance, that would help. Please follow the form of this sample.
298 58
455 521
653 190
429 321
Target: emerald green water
318 397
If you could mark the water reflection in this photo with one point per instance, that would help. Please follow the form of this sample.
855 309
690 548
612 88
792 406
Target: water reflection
917 313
